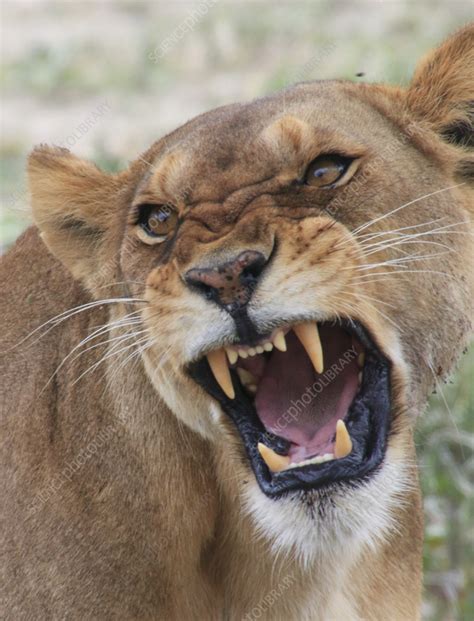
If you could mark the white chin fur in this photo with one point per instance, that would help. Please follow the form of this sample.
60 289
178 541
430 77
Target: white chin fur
354 519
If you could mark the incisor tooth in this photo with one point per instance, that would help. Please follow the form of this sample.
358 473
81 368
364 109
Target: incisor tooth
218 363
308 334
317 459
268 346
259 349
343 444
279 341
243 354
252 351
232 355
275 462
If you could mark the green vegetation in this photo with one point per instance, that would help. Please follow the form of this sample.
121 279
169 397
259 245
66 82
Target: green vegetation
445 440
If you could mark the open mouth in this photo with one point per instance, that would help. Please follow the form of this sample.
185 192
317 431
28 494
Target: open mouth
310 401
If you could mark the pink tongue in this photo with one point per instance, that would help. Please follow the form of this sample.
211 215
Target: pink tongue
296 403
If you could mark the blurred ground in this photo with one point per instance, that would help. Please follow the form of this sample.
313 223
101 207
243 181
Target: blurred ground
107 78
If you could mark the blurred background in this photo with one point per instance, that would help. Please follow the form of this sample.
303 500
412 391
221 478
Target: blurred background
106 79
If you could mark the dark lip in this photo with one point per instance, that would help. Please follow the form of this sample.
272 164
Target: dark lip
368 421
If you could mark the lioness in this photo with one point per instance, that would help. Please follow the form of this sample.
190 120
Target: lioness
212 361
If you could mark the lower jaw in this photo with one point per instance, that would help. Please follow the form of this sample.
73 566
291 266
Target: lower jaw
367 420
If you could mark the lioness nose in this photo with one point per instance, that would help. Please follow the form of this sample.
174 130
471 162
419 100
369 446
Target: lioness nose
229 284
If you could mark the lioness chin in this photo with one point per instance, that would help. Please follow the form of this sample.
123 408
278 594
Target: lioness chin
212 361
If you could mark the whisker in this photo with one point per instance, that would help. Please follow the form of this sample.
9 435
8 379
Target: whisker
402 228
377 310
114 368
127 320
111 353
98 332
343 305
147 343
365 238
397 261
404 242
57 319
368 297
412 202
121 338
410 236
393 272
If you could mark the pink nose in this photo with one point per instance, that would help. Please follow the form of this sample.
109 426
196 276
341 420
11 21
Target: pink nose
229 284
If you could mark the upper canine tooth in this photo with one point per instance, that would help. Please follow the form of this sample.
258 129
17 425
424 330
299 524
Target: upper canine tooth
232 355
308 334
279 341
275 462
343 444
218 363
361 359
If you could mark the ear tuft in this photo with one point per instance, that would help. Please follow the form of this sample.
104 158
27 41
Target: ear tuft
441 92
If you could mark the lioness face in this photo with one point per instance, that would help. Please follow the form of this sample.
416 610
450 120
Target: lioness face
261 310
291 261
299 257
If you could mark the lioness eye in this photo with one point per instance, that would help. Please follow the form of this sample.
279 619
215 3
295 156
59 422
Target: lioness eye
158 220
326 170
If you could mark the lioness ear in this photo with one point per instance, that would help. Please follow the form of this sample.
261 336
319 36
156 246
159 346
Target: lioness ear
77 210
441 93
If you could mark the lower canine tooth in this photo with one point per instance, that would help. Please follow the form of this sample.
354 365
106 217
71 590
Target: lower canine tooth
246 377
343 444
218 362
275 462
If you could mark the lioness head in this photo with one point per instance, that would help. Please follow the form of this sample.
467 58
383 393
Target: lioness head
304 263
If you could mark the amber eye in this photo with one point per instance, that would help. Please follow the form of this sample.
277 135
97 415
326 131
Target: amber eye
158 221
326 170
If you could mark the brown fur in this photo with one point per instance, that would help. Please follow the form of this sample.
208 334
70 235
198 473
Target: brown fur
155 522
